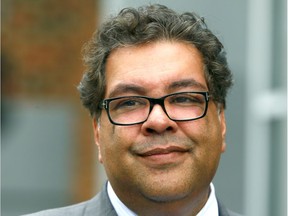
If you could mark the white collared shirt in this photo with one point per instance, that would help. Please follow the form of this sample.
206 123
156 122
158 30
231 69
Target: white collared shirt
210 208
119 207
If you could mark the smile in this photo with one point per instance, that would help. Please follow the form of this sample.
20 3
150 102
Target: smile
164 157
161 151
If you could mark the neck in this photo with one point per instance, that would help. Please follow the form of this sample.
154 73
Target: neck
189 205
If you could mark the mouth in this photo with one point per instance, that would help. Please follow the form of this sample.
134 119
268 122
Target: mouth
163 151
160 157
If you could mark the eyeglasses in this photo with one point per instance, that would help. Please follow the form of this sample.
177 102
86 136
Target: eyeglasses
180 106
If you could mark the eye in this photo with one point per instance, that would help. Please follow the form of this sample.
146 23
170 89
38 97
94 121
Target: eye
188 99
127 103
182 99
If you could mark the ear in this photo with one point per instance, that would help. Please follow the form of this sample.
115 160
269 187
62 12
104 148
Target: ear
96 130
223 128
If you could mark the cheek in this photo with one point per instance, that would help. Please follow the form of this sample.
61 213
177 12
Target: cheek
115 142
205 133
206 136
210 144
116 156
197 130
106 141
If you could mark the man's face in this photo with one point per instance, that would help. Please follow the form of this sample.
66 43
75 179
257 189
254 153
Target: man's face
160 159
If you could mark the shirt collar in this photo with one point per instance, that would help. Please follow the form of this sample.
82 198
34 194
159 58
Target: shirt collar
210 208
119 207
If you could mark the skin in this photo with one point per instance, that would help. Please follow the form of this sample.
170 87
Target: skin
175 179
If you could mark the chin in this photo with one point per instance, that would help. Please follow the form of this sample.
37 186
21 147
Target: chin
166 198
165 193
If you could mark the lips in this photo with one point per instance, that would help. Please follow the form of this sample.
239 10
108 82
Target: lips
163 151
163 157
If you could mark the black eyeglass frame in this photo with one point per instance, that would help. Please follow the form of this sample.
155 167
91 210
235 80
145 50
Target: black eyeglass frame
104 104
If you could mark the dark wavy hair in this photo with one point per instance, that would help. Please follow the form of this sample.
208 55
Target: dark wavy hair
147 24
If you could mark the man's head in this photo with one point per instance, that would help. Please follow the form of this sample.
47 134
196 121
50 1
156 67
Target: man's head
173 70
133 27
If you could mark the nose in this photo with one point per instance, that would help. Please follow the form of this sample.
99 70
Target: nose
158 122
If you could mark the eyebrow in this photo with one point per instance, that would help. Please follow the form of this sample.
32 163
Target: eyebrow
187 83
126 88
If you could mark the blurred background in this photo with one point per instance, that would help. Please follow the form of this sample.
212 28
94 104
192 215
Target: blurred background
48 157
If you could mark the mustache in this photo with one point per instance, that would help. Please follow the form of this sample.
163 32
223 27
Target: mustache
162 141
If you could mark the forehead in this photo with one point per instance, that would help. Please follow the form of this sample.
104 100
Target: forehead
154 66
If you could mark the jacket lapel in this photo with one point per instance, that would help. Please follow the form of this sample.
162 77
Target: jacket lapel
100 205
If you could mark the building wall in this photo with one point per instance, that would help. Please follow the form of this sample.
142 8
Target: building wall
48 157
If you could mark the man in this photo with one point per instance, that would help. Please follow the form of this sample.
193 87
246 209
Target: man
155 86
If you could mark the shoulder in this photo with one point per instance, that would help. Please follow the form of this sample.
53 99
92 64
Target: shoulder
77 209
97 206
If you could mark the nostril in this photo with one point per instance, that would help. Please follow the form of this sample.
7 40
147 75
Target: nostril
154 131
169 128
150 130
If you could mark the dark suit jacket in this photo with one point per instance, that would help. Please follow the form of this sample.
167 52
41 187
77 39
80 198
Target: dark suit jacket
100 205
